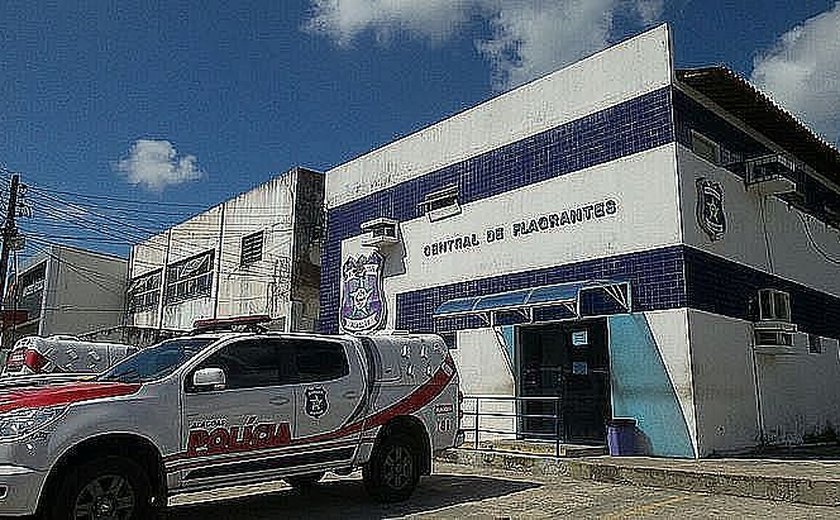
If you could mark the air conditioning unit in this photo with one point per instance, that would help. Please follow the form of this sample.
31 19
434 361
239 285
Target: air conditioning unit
776 341
381 232
773 330
770 175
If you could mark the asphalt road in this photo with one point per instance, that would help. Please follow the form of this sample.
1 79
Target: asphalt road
459 492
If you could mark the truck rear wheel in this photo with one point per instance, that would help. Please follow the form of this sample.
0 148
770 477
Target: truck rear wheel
108 488
393 471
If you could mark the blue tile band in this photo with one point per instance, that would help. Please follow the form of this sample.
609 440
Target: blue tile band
634 126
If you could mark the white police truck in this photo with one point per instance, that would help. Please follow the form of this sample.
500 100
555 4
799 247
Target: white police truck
218 409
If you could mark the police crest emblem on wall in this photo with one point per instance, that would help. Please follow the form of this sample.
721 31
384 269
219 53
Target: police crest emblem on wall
362 297
316 402
710 215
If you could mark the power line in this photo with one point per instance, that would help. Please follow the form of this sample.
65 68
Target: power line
116 199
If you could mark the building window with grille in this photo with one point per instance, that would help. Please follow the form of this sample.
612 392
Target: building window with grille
190 278
252 248
144 291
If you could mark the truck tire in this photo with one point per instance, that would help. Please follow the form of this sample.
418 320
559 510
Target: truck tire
107 488
393 471
305 482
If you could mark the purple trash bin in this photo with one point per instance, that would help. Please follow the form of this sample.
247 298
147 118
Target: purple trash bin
621 436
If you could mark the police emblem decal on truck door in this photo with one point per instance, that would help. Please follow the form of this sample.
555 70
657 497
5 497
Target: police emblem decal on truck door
316 402
362 298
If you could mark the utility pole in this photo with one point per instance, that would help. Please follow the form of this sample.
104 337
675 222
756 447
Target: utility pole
9 234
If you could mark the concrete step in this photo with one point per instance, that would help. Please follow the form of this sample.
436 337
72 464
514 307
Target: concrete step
548 449
804 483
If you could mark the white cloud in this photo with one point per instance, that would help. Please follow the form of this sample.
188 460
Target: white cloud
802 72
156 165
528 38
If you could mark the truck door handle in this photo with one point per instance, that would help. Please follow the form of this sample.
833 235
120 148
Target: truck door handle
279 400
351 394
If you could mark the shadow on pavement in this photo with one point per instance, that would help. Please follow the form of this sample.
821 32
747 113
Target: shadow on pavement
347 499
828 452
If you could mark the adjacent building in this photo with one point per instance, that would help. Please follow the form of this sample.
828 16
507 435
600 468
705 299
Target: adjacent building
255 254
639 241
64 290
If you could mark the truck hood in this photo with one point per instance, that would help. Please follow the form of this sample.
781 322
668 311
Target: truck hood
61 394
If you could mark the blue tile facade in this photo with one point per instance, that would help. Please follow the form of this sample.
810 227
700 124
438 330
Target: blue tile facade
661 279
640 124
655 276
722 287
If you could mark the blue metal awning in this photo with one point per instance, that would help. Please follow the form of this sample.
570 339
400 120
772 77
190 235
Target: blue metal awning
609 297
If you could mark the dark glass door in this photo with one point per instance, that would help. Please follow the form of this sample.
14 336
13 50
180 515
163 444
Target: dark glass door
568 361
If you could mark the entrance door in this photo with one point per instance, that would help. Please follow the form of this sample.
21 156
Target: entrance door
568 361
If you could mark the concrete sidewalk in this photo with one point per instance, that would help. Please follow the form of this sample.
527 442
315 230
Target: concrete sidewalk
799 481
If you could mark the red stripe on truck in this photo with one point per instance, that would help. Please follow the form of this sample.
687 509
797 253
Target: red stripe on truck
411 403
54 395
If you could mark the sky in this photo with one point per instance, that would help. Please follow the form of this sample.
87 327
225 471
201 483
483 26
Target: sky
125 117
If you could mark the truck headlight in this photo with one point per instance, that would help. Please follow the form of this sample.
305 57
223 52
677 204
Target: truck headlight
18 423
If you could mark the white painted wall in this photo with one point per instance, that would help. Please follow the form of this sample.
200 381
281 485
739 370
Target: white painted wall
644 186
484 371
798 393
620 73
791 255
85 291
259 288
724 383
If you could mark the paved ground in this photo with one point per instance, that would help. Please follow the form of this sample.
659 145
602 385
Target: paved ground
459 492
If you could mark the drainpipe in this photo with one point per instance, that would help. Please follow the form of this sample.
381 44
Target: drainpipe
756 382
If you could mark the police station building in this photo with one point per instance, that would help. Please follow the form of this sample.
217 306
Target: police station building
640 241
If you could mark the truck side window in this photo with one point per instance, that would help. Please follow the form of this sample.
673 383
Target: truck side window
253 364
320 361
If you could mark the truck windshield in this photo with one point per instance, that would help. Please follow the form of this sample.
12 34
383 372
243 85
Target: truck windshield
157 361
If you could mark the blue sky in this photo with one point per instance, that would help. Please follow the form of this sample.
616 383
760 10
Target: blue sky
191 102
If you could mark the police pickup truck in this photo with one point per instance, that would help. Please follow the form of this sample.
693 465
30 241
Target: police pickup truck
220 409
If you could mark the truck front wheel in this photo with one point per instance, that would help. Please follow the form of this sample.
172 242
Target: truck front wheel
108 488
392 472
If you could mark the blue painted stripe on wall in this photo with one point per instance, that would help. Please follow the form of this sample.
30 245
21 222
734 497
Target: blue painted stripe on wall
641 388
634 126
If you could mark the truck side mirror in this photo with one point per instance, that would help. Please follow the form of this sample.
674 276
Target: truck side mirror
209 379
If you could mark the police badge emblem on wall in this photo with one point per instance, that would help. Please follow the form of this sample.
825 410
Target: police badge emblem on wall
362 298
316 402
710 213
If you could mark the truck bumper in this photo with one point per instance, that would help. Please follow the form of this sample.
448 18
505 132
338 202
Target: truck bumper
19 489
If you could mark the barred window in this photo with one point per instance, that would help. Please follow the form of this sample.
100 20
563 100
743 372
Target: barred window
252 248
190 278
144 291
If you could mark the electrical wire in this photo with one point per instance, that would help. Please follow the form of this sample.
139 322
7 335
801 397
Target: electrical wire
815 245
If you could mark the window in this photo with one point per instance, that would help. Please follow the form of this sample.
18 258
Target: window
252 248
320 361
254 363
773 305
705 147
190 278
144 291
441 204
156 362
814 344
